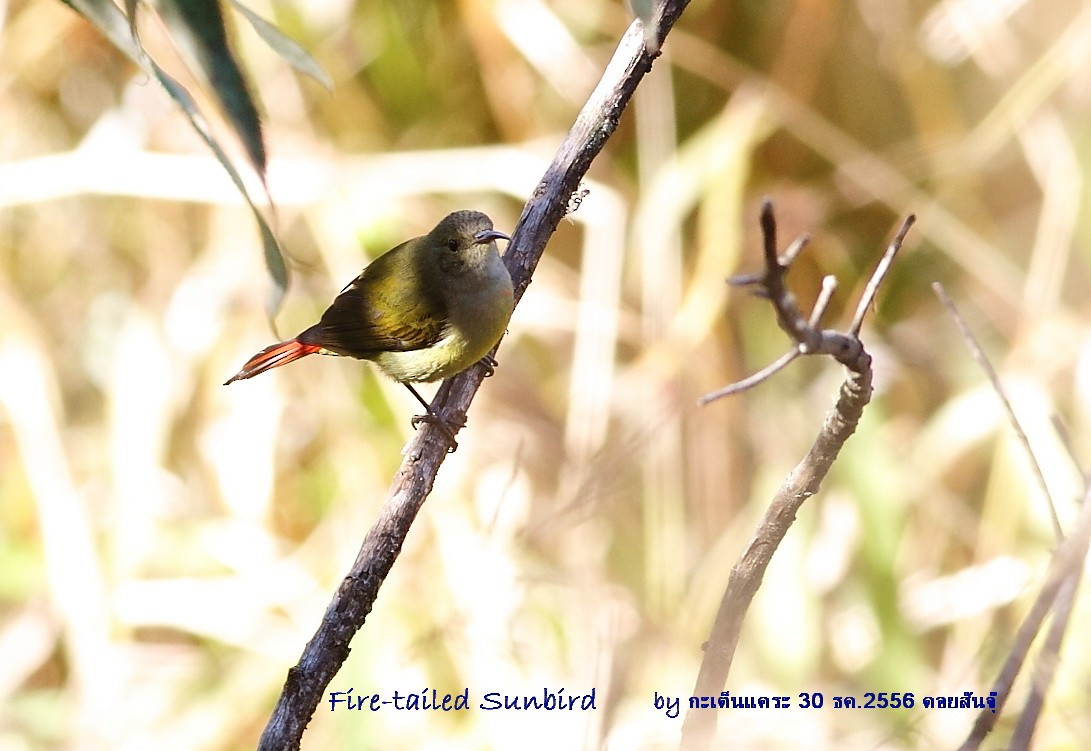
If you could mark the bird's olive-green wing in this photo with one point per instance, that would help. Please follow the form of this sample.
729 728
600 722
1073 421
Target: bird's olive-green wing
387 308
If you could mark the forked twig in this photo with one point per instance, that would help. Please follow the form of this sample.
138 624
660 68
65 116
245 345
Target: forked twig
699 727
809 337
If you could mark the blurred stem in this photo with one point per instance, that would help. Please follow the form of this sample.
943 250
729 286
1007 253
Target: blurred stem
1065 565
660 243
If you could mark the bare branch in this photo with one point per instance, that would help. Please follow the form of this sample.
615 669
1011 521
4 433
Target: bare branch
829 286
810 338
879 274
990 372
840 422
699 727
329 648
748 383
794 250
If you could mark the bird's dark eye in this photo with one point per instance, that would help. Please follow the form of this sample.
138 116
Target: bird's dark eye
452 245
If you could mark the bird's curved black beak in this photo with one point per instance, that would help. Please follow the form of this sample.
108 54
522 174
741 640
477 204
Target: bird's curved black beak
488 235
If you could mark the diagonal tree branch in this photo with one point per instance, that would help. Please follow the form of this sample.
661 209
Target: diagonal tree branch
346 613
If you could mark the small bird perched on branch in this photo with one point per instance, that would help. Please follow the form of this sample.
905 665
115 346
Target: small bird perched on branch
423 311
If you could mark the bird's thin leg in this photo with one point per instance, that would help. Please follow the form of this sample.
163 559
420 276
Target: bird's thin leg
420 399
432 417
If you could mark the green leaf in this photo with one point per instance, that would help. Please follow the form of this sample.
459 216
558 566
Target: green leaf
201 24
285 46
115 26
274 256
130 11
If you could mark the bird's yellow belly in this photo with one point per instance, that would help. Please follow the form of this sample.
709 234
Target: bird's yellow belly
451 355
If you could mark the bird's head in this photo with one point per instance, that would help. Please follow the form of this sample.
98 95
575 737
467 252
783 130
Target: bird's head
465 239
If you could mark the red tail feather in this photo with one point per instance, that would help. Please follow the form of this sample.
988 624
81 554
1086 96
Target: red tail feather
274 356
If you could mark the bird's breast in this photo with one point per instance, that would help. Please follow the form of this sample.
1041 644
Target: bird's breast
476 319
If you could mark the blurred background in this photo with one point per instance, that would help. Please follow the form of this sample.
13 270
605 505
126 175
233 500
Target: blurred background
168 545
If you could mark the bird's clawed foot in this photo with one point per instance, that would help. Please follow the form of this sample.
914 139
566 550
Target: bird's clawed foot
490 365
446 426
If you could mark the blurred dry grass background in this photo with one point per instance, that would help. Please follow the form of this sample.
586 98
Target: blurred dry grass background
167 545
